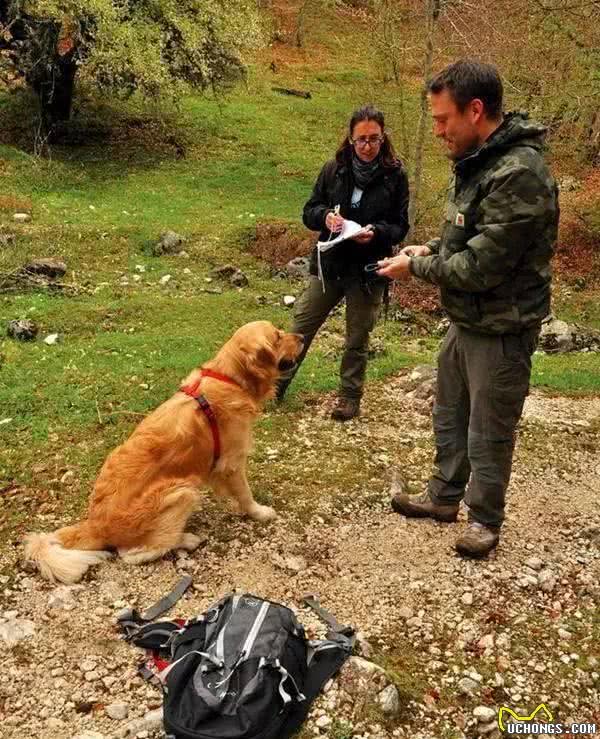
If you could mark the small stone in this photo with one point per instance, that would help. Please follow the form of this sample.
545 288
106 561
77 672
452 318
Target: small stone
484 714
22 217
13 631
389 700
547 580
405 612
467 686
62 597
118 711
535 563
289 300
363 646
486 642
564 634
295 564
165 280
467 599
89 735
323 722
51 339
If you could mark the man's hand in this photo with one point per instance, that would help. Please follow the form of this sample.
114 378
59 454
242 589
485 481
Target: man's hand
417 250
365 236
396 268
334 222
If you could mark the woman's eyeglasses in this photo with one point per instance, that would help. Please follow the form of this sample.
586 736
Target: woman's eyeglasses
362 141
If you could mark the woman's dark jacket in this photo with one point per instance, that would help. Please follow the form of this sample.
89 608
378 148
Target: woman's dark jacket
384 204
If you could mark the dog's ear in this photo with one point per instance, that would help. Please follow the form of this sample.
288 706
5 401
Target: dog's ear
265 356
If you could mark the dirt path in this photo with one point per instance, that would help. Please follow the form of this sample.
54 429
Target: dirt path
518 629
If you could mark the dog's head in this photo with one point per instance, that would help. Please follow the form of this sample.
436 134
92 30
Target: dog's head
263 352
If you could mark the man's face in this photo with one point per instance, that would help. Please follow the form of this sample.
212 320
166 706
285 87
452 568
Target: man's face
458 129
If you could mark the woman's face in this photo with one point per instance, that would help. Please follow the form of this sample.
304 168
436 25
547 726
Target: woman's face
367 138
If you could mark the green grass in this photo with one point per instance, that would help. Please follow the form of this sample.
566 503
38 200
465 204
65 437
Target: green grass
570 374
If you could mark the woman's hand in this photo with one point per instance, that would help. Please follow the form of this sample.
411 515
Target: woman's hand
334 222
364 237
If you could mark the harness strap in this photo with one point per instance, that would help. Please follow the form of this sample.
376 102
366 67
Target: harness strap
192 391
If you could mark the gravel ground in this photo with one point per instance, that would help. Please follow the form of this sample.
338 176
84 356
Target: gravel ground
459 639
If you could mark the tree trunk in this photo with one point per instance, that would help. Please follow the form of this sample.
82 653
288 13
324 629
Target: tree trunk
433 12
593 140
55 92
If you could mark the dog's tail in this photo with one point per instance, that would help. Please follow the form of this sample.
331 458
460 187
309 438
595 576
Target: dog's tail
66 554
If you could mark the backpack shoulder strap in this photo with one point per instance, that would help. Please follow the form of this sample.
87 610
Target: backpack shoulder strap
312 601
130 620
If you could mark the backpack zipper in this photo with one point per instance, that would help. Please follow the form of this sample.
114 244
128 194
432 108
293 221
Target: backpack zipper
253 633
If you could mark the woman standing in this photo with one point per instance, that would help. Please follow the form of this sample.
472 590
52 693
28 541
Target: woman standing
365 183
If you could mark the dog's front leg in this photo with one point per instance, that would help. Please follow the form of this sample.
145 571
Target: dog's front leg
234 484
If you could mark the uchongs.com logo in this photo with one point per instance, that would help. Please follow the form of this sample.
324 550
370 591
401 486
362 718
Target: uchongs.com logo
539 723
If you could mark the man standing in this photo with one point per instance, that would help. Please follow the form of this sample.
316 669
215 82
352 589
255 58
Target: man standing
492 263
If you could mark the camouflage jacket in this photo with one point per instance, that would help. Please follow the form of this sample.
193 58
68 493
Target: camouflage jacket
492 261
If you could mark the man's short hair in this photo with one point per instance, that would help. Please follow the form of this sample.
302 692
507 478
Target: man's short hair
466 80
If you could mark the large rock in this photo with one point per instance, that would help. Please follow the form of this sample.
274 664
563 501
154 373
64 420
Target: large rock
238 279
22 330
50 268
557 337
297 268
7 239
168 243
224 271
361 678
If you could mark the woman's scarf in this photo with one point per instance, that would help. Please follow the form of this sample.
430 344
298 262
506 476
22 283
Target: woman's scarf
365 172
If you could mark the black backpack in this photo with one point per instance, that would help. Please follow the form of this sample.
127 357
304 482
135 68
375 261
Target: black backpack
242 670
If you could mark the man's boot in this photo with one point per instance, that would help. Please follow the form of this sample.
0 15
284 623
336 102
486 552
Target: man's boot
421 506
345 409
478 540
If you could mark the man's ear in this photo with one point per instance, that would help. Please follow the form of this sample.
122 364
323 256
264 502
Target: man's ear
477 109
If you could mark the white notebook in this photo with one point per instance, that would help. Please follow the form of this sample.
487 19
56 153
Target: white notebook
349 230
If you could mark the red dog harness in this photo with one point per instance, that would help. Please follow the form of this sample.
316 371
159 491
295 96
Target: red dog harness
191 390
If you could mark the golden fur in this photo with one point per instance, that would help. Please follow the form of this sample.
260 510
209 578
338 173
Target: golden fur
149 486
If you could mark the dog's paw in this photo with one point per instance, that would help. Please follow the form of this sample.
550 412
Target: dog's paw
190 542
262 513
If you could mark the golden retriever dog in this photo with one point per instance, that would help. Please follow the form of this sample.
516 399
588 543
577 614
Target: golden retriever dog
149 486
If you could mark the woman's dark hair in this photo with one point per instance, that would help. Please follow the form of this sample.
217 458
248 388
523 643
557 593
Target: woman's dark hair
367 113
468 79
